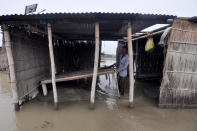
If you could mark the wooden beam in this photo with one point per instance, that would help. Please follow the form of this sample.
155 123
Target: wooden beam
131 78
145 36
52 66
96 59
35 29
12 74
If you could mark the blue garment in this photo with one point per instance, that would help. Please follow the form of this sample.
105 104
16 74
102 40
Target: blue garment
124 62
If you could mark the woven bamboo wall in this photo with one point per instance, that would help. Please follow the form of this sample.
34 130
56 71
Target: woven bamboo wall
31 57
179 84
3 59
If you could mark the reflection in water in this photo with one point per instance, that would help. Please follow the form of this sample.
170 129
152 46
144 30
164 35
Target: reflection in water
106 81
7 114
110 114
111 103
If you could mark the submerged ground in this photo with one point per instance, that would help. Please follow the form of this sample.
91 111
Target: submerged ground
110 114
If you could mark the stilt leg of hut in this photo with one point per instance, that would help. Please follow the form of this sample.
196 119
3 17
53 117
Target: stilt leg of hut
131 79
136 59
52 67
100 47
96 60
113 80
116 83
11 67
44 89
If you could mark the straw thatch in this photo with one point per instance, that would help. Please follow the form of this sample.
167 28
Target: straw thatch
178 88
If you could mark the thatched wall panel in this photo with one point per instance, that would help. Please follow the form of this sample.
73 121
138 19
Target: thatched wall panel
178 88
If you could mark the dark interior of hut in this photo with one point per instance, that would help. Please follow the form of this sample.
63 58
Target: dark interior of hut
148 67
73 56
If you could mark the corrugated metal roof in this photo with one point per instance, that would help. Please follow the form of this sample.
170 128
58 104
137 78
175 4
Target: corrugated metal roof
89 15
193 19
86 13
81 25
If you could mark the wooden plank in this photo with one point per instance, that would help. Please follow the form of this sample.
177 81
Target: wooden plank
77 75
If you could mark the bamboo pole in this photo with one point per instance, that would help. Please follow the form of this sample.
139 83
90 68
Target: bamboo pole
116 83
145 36
3 39
42 32
44 89
96 59
52 66
11 67
100 48
136 57
131 79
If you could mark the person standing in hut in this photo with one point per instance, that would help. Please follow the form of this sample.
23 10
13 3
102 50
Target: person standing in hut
122 69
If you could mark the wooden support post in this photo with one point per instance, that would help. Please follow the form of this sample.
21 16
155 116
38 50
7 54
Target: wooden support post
52 66
7 43
114 75
44 89
131 79
96 60
136 58
3 39
100 47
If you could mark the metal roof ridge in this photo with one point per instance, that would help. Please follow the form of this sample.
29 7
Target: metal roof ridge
78 13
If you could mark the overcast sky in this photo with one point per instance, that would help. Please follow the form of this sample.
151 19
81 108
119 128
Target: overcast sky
184 8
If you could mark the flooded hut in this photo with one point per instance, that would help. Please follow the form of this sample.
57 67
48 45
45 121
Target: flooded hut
45 49
173 60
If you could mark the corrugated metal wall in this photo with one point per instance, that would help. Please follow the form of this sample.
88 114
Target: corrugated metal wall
178 88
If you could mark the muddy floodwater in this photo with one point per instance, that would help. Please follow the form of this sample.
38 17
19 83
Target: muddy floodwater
110 114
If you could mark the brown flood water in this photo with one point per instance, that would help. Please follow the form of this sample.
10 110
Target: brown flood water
110 114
